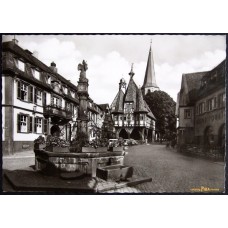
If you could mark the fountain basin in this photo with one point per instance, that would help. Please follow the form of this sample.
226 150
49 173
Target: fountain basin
53 163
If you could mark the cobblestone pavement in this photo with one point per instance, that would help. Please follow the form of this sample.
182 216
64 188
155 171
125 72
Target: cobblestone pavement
172 171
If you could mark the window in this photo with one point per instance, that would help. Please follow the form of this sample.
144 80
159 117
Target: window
38 125
141 117
21 65
210 104
187 113
56 102
38 97
24 123
22 91
201 108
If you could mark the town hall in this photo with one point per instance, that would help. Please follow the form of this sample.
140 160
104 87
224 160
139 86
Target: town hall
131 114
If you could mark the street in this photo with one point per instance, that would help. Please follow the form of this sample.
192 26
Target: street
170 170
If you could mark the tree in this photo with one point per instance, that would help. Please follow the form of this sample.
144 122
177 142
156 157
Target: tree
163 108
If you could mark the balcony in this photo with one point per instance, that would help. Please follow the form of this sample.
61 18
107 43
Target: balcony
57 114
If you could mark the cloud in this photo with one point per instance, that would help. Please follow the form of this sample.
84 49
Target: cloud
109 58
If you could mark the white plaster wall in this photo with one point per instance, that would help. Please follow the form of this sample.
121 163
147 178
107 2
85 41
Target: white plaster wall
27 105
3 123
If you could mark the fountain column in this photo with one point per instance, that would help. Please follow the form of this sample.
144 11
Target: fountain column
83 98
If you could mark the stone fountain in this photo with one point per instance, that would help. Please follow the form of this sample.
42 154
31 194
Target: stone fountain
62 158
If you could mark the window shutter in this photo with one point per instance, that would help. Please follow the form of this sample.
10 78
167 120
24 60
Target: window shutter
18 123
31 94
35 96
45 126
44 99
30 123
19 89
35 121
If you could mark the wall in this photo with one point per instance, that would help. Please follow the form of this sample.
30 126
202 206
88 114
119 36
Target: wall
24 136
214 118
186 122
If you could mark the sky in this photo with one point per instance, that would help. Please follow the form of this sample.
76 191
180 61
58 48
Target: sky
109 58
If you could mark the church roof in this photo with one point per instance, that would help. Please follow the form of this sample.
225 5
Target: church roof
150 79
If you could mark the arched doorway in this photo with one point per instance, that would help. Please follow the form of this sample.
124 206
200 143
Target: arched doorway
135 134
123 134
208 136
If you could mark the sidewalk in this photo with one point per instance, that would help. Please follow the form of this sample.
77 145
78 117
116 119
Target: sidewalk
25 154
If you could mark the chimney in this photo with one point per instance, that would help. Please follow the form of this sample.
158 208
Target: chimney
35 54
53 67
15 41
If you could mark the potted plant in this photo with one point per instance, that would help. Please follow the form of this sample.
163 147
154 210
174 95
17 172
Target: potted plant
55 144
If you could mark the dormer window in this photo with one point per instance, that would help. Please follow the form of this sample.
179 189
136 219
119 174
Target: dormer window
21 65
36 74
72 93
64 88
48 79
56 86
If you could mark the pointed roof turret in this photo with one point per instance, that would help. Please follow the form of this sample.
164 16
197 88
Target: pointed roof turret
150 80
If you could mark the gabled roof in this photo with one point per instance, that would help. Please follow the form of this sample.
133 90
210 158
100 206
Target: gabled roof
140 103
150 113
131 92
189 87
117 104
103 106
25 54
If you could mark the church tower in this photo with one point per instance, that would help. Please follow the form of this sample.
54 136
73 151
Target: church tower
149 80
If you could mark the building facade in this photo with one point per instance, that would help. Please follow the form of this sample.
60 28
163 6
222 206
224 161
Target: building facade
36 100
201 109
131 114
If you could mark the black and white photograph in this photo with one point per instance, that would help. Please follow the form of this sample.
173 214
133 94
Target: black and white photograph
113 114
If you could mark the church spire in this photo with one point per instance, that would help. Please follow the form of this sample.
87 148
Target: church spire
150 80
